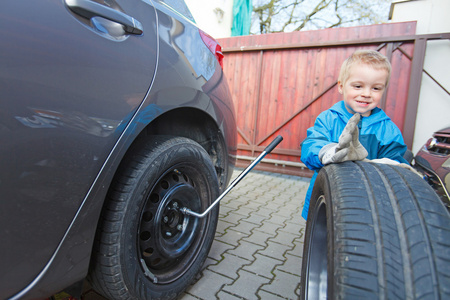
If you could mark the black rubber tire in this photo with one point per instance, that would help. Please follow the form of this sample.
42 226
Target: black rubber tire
145 247
375 231
409 156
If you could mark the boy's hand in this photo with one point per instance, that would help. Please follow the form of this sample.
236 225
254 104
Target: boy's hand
349 147
349 139
328 154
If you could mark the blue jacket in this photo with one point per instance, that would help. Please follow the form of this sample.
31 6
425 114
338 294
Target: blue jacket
377 133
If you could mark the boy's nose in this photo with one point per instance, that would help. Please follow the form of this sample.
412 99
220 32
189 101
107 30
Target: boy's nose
366 92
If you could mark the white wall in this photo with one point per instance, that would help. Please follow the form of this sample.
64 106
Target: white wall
213 16
433 16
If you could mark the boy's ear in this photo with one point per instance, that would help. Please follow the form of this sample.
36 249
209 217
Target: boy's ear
340 87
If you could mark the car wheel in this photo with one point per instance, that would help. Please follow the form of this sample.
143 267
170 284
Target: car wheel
375 231
145 247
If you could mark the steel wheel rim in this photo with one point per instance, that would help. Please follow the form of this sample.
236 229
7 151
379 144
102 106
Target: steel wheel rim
317 268
168 240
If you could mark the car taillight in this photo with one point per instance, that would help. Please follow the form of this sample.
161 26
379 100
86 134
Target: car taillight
213 46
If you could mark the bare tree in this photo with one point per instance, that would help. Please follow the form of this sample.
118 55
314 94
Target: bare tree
291 15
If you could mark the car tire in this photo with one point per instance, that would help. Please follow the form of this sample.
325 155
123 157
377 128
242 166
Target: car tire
375 231
145 247
408 156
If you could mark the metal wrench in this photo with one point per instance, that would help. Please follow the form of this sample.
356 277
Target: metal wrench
266 151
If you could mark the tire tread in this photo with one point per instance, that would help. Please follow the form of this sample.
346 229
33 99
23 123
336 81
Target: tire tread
392 234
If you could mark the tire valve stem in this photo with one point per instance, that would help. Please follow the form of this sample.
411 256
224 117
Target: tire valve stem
179 227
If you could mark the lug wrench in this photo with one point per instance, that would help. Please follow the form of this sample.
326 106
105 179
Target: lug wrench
266 151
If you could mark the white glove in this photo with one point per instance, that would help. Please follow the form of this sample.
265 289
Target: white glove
328 154
349 147
389 161
384 160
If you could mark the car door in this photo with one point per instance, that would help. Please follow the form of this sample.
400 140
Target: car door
72 74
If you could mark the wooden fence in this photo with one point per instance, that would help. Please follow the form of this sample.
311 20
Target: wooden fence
280 83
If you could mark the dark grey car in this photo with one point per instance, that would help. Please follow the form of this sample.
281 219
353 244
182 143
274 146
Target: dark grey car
114 115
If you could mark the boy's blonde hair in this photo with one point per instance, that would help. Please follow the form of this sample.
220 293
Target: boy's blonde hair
369 57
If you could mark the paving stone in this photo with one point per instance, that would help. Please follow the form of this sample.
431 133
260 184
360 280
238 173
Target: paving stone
298 290
277 219
208 286
284 238
246 250
232 217
255 219
283 285
232 237
264 211
209 261
263 266
292 264
292 228
259 237
253 205
230 197
222 226
297 218
274 193
244 227
269 228
266 295
286 212
246 286
227 296
298 247
245 190
224 210
275 250
232 205
243 211
229 266
187 297
217 249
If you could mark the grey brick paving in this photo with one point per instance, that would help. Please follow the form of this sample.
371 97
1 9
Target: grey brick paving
257 250
263 230
247 285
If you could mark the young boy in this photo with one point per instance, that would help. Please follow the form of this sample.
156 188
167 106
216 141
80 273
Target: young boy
362 81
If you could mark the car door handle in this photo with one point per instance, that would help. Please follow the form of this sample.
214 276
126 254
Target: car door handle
89 9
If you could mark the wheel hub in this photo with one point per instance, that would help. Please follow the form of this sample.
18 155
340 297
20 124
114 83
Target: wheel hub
176 230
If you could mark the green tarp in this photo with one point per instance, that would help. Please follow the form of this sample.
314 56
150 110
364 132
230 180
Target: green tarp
242 16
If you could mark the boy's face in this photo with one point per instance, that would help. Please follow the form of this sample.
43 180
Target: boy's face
363 88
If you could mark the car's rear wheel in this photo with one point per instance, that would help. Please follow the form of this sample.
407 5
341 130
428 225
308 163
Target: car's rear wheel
375 232
145 247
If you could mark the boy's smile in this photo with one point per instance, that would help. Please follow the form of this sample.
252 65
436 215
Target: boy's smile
363 88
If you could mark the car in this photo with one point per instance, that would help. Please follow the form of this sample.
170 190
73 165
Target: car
433 161
114 117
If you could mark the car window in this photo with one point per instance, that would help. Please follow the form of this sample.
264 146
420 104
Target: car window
180 7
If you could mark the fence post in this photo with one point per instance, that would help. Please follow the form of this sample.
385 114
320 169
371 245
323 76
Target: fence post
420 46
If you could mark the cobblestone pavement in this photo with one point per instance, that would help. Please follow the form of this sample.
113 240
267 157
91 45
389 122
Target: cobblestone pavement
257 250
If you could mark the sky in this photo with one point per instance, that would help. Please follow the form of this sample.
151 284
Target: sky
378 9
